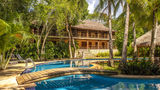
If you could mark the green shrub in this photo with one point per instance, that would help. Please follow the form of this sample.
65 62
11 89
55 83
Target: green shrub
105 54
143 67
49 50
27 51
59 50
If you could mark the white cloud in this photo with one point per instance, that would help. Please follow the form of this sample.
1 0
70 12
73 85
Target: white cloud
92 5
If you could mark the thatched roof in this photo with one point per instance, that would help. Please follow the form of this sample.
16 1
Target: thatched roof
145 40
91 25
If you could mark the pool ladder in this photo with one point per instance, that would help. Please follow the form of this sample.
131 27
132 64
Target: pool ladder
29 60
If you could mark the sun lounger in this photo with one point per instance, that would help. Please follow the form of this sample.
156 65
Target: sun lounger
20 59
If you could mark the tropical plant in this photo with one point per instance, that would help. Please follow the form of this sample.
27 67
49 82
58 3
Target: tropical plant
143 67
10 35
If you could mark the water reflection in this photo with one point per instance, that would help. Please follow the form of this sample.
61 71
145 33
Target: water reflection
97 82
62 64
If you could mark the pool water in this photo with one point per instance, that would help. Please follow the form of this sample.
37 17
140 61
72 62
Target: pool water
64 64
59 64
96 82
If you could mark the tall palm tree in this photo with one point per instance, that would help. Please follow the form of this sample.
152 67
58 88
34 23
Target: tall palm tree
126 9
125 40
108 5
154 34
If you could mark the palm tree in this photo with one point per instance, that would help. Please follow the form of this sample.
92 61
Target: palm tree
108 5
125 40
154 35
134 42
11 34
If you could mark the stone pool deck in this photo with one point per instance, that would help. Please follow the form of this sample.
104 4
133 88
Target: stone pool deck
8 76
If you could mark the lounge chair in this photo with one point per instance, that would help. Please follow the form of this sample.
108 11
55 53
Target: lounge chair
13 60
29 60
20 59
26 61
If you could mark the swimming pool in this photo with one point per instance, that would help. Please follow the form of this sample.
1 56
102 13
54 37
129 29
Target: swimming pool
65 64
59 64
96 82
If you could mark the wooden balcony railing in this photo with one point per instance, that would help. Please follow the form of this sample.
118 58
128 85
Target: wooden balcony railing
94 47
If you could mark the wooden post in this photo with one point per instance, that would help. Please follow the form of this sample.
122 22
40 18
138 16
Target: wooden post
87 33
98 44
79 33
98 34
87 44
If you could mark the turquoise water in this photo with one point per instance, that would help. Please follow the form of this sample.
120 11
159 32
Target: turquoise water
96 82
64 64
88 81
59 64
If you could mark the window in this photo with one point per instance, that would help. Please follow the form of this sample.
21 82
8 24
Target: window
84 44
96 45
103 45
90 44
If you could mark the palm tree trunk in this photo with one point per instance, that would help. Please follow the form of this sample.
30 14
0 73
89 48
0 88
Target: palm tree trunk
69 40
125 40
110 63
153 37
134 43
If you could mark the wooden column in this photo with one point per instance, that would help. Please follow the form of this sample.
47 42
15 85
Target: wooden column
79 33
98 44
87 33
87 44
98 34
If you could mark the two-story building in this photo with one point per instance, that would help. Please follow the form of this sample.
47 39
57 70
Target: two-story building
92 37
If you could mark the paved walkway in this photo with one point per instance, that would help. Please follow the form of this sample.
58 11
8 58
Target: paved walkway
8 76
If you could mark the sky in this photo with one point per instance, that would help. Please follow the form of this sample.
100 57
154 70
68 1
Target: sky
93 3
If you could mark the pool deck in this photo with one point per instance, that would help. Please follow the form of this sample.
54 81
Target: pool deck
8 76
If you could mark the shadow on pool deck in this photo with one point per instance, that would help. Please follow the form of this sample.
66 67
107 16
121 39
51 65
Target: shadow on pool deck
8 76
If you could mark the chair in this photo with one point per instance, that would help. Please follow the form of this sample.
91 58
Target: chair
20 59
13 60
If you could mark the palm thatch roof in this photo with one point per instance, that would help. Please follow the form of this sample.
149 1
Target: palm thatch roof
91 25
145 40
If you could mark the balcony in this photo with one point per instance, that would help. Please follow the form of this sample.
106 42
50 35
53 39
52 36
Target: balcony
94 47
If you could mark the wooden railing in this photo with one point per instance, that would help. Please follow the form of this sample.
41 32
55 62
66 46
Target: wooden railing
94 47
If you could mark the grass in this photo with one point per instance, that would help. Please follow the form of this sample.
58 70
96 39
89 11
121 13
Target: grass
106 67
102 57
